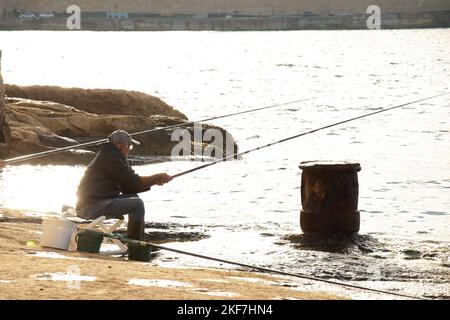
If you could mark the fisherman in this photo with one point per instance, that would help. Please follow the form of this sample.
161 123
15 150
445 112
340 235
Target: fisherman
109 186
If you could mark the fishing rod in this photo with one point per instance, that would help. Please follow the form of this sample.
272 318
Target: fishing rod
297 275
88 144
302 134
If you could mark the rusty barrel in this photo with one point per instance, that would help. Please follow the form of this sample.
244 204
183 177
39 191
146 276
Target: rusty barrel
329 193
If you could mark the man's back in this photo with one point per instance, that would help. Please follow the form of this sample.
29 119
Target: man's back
107 176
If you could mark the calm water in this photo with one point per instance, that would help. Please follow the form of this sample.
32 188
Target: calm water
250 208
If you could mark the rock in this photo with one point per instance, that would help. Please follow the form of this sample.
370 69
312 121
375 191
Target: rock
411 254
2 93
36 126
98 101
172 232
3 143
336 243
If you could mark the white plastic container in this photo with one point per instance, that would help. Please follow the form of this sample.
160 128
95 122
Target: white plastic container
57 233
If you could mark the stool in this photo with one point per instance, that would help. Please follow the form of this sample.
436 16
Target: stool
96 225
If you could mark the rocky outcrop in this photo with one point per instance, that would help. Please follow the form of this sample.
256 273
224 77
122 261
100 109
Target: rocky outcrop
36 126
3 144
2 93
98 101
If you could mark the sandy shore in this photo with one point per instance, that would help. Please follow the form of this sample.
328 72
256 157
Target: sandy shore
28 271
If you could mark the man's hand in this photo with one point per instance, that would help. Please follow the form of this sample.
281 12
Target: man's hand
156 179
161 178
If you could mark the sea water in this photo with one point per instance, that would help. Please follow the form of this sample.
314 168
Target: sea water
250 209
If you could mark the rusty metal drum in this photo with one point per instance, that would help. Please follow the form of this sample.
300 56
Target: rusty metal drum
329 194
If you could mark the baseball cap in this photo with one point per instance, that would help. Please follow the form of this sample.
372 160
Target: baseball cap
121 136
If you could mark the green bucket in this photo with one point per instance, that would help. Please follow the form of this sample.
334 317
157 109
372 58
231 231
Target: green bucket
137 252
88 242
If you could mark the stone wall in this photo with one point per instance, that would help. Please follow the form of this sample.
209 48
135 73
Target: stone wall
263 23
5 5
243 7
226 15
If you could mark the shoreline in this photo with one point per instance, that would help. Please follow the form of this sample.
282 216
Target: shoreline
186 22
29 271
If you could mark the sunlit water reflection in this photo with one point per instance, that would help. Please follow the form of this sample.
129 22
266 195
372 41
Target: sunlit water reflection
251 207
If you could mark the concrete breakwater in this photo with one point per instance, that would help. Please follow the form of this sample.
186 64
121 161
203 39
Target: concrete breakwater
394 20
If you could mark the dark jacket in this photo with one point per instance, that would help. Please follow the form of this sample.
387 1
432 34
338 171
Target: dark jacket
108 175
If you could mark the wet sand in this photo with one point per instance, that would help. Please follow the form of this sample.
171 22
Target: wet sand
29 271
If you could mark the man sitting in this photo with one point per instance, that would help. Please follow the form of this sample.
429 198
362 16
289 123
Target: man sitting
109 186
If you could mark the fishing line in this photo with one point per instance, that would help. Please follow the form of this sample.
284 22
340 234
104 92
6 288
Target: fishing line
303 134
297 275
88 144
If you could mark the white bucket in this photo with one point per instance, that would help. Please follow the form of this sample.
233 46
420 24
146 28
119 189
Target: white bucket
56 233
